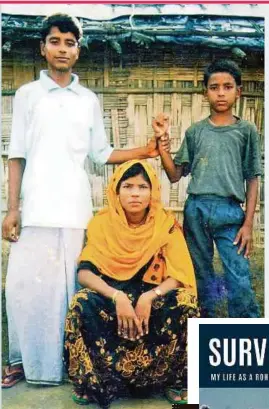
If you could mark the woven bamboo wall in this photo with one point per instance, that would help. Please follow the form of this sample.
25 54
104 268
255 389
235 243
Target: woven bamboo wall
132 88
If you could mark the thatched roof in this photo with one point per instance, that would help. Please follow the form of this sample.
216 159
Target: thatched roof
214 26
111 11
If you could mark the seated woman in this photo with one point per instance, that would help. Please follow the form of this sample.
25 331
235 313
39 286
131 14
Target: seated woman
126 331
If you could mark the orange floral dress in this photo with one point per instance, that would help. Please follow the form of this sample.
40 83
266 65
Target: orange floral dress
105 366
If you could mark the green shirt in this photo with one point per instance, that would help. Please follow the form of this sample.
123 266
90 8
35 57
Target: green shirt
220 158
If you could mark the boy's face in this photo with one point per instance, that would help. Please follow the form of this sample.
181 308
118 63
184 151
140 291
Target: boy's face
222 91
61 50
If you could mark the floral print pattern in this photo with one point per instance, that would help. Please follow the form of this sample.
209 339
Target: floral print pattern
106 366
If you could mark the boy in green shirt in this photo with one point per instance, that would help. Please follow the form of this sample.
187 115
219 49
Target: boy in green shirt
221 152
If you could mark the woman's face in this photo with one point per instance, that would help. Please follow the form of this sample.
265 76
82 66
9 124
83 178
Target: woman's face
135 195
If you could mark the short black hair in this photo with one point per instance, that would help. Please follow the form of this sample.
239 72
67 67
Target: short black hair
228 66
136 169
65 24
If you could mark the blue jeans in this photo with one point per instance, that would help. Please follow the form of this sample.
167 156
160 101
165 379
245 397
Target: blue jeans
209 219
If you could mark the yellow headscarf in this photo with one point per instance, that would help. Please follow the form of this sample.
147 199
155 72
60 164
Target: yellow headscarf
120 251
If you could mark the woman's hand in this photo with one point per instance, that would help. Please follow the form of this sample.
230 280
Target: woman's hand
143 309
129 326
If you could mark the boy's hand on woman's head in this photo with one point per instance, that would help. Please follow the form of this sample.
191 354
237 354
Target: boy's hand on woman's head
244 240
164 143
152 148
154 145
160 125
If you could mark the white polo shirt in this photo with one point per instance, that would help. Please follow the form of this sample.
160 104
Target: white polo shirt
55 129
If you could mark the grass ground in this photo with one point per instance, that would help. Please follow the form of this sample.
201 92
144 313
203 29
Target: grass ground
26 396
257 268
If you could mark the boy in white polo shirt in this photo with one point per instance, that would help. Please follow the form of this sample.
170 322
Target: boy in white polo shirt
56 124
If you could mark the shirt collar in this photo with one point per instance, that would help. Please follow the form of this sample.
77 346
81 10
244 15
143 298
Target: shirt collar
50 85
